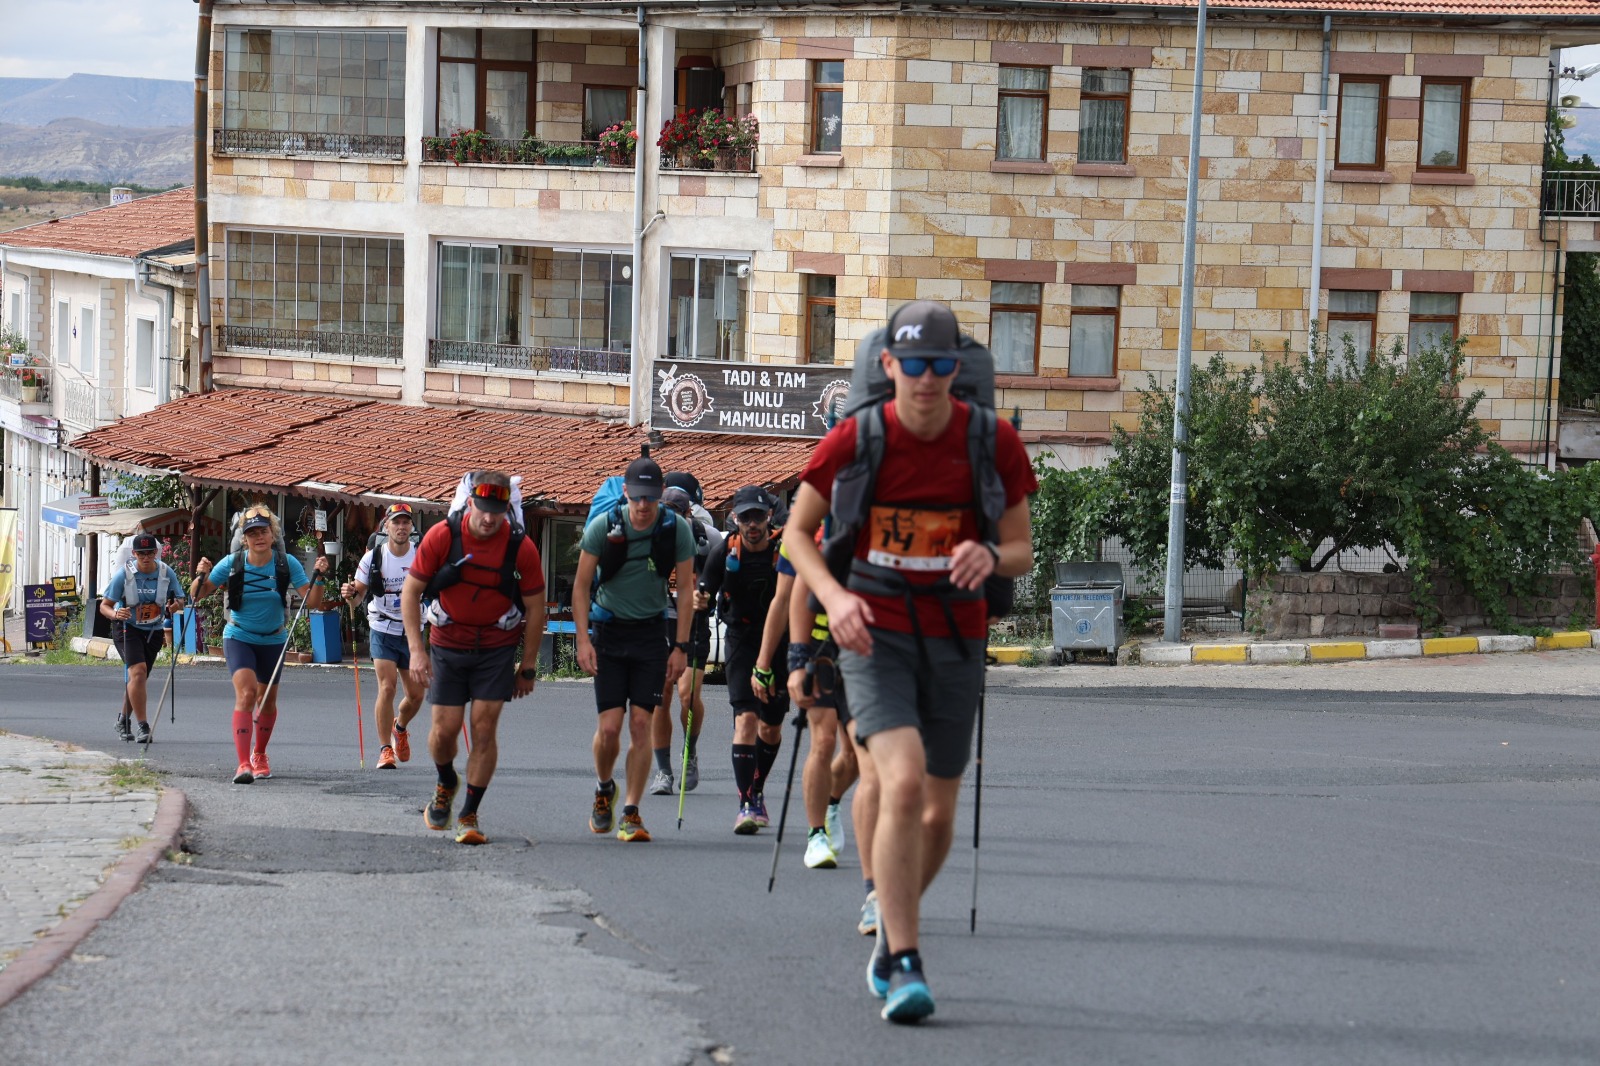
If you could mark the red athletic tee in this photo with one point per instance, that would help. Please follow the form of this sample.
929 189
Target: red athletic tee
922 509
474 604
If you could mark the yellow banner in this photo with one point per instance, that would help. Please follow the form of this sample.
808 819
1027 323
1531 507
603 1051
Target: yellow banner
8 554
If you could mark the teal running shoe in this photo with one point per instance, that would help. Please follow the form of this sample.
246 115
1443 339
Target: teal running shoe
909 1000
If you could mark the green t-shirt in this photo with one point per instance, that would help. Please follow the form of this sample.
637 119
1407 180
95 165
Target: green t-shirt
637 592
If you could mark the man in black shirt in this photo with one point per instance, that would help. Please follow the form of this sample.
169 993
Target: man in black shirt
742 576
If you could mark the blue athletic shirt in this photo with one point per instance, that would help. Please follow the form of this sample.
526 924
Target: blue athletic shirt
144 595
260 618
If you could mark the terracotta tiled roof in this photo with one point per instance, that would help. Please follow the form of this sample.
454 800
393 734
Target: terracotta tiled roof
123 230
353 448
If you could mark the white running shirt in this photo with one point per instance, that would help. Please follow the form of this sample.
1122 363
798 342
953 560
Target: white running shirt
383 610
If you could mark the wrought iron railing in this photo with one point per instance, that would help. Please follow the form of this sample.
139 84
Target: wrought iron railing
313 342
280 142
560 358
527 152
727 160
25 384
1571 194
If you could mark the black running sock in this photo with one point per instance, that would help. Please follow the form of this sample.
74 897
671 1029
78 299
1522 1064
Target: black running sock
664 759
474 795
815 830
833 801
447 774
909 953
744 769
608 787
871 886
628 809
766 755
398 728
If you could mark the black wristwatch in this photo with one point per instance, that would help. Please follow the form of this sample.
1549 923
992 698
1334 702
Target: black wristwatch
681 645
528 675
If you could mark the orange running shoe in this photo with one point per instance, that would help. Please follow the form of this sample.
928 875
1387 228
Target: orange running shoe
386 758
244 776
402 742
436 815
467 831
259 765
632 830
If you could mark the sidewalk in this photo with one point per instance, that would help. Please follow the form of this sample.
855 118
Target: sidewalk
76 841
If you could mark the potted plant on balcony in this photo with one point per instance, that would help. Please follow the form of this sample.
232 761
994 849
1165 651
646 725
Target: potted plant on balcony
435 149
530 149
468 146
677 137
742 142
30 378
618 143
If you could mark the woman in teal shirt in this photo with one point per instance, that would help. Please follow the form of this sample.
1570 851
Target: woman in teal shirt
254 639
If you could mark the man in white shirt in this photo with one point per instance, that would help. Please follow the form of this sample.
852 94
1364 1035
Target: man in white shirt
391 656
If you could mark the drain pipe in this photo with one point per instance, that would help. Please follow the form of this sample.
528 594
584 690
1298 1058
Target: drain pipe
1313 315
202 219
640 97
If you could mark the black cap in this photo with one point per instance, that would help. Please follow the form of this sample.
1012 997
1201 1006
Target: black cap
256 521
923 328
643 480
682 479
144 542
750 498
676 498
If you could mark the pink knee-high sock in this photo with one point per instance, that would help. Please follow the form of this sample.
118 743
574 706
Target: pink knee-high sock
264 723
241 735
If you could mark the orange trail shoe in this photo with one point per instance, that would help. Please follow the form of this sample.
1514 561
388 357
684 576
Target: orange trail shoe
386 758
600 814
632 830
402 743
244 775
259 765
467 831
437 813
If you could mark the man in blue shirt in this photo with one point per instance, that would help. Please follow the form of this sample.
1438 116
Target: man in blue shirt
138 600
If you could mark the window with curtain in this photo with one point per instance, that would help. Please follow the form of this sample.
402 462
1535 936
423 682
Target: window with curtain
821 307
87 361
1435 318
486 81
315 282
827 106
1014 326
1352 326
1362 107
1103 116
1024 102
706 309
1444 127
603 107
582 298
144 353
1093 338
348 82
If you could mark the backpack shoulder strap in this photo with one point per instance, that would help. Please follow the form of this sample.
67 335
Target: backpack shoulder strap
988 492
374 569
510 576
664 542
280 563
236 581
614 555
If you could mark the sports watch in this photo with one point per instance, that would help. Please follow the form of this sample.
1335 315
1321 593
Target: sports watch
528 675
681 645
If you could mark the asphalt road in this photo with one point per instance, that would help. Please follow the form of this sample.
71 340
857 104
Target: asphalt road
1171 874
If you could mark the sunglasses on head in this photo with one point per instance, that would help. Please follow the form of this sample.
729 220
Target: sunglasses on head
918 365
400 510
487 491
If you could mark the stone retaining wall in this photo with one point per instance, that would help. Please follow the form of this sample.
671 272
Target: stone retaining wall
1335 605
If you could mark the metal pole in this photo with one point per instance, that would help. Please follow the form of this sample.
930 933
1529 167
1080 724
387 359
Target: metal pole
1172 623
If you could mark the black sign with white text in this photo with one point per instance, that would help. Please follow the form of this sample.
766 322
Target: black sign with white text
766 399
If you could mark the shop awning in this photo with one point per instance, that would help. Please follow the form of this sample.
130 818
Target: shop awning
365 451
130 520
63 512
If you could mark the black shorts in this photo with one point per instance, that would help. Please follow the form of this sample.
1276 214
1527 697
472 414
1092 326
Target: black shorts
828 688
137 645
631 662
461 675
744 644
243 655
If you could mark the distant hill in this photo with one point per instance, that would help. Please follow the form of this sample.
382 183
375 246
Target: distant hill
138 102
90 151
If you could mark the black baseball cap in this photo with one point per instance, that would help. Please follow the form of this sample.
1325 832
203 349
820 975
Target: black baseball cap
750 498
682 479
923 328
144 542
643 479
256 521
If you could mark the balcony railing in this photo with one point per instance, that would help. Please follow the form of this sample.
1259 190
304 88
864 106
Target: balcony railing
80 403
25 384
385 346
1571 194
337 145
562 359
527 152
726 160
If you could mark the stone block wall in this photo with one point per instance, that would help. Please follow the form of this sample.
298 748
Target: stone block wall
1286 606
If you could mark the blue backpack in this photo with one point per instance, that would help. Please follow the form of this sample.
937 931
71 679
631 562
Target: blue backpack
607 498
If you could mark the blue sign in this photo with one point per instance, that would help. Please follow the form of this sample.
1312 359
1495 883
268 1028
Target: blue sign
39 605
62 513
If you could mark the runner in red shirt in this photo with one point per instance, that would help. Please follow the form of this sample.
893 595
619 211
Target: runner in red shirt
478 620
913 657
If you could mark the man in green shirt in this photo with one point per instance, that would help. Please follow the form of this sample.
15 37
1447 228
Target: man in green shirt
625 558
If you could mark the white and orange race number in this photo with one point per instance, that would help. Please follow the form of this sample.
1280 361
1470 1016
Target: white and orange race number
914 538
145 613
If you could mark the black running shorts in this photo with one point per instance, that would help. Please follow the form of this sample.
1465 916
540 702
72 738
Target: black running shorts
462 675
137 645
631 661
744 644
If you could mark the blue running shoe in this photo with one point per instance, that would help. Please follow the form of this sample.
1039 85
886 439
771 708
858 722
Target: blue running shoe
878 965
759 802
909 1000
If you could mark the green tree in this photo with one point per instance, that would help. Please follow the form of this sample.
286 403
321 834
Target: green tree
1580 329
162 490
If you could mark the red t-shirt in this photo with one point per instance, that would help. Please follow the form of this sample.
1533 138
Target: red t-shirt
922 509
475 604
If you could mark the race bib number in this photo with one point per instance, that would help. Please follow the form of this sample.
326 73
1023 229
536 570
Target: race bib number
145 613
913 538
389 604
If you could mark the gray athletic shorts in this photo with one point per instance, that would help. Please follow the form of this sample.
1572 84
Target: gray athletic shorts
892 688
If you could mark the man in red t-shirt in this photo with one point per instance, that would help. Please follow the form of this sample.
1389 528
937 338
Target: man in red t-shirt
910 622
478 619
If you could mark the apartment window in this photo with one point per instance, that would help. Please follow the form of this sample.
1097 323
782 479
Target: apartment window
481 291
144 353
63 336
1024 101
486 80
698 88
1444 127
821 308
1434 320
1103 116
1362 122
1093 352
15 318
1352 326
583 299
604 107
827 106
86 349
706 309
344 82
308 287
1014 326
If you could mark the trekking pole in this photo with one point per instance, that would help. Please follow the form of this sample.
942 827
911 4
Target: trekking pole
282 652
688 730
977 803
355 663
155 719
783 815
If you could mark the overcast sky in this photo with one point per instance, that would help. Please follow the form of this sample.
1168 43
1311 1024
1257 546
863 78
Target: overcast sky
155 39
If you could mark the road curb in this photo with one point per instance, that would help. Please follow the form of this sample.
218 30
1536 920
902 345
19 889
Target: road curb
62 939
1159 654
